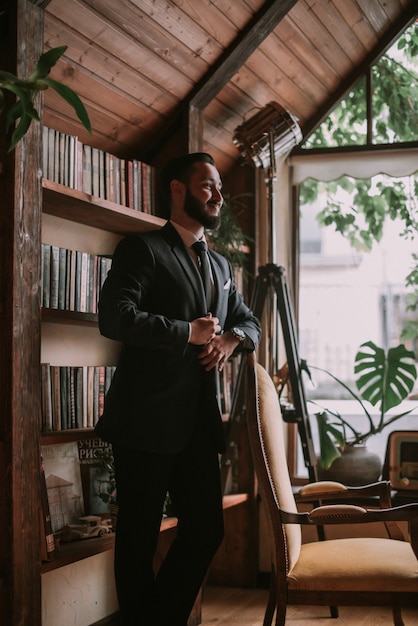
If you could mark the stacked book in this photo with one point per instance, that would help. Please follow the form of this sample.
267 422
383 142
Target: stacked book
69 162
73 397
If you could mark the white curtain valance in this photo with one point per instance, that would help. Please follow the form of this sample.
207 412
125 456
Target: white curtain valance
328 167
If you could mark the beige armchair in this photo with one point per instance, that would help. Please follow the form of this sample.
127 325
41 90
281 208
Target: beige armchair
350 571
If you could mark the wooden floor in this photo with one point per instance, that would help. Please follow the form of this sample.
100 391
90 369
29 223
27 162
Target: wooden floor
224 606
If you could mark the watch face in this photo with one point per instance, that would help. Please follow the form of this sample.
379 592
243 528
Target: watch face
238 332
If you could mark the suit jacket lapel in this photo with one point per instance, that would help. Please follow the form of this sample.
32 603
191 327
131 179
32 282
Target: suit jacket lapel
185 260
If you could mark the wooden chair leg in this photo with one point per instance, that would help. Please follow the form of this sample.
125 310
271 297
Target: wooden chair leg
272 601
334 611
397 616
281 608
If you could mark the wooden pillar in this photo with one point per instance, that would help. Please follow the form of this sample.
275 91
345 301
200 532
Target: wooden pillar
194 129
21 37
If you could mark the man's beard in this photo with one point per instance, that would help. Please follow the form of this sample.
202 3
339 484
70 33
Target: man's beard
197 210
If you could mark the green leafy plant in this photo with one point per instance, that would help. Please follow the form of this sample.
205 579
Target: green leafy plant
394 110
229 239
25 90
383 378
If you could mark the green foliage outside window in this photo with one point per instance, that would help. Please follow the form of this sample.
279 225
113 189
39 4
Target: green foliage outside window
395 119
394 102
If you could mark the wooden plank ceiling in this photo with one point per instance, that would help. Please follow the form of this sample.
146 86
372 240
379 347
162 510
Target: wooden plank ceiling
138 65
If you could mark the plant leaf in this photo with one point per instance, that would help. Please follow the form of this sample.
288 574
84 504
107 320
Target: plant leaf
14 112
328 449
20 131
46 61
25 100
72 98
384 378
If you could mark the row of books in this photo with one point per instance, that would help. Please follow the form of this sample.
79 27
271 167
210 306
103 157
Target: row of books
69 162
71 279
73 396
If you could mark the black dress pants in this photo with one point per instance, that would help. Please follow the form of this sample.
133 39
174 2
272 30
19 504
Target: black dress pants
192 477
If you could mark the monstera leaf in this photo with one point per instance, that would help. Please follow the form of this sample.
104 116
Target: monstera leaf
384 378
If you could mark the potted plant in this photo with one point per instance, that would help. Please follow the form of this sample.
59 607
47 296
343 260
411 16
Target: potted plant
383 379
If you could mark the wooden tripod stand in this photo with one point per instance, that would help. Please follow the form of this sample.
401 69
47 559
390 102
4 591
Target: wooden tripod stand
271 286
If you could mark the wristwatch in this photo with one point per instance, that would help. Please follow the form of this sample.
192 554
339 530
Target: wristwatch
238 334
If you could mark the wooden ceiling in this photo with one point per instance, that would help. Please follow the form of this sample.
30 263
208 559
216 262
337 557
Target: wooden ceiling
143 67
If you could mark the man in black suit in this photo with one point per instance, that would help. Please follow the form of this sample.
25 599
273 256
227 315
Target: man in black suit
161 412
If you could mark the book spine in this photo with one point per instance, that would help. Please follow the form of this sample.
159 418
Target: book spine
144 181
46 275
129 168
54 276
87 185
48 538
56 397
64 397
47 424
62 277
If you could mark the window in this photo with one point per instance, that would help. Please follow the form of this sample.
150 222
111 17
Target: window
350 288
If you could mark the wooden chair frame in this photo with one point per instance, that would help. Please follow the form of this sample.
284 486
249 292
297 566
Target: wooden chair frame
335 508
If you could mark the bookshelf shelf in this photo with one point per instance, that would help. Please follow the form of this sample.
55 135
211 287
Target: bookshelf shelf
78 550
58 316
77 206
70 434
83 549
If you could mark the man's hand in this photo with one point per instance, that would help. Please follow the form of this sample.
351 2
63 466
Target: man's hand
204 329
218 351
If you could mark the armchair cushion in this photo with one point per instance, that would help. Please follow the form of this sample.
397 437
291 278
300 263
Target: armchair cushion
322 487
336 510
355 564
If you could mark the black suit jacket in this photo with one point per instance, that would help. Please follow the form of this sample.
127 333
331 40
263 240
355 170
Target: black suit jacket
160 395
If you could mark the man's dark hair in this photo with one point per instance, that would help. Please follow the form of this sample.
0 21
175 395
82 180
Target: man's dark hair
180 168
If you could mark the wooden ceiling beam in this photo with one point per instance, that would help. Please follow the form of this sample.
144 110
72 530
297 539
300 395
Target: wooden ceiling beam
248 40
232 59
42 4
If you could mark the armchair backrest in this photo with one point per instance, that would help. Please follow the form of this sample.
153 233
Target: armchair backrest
266 433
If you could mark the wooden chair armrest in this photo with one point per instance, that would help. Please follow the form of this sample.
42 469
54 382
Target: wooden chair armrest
325 491
353 514
330 490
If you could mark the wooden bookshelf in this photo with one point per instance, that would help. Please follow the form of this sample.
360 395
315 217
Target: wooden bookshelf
86 211
77 206
85 548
